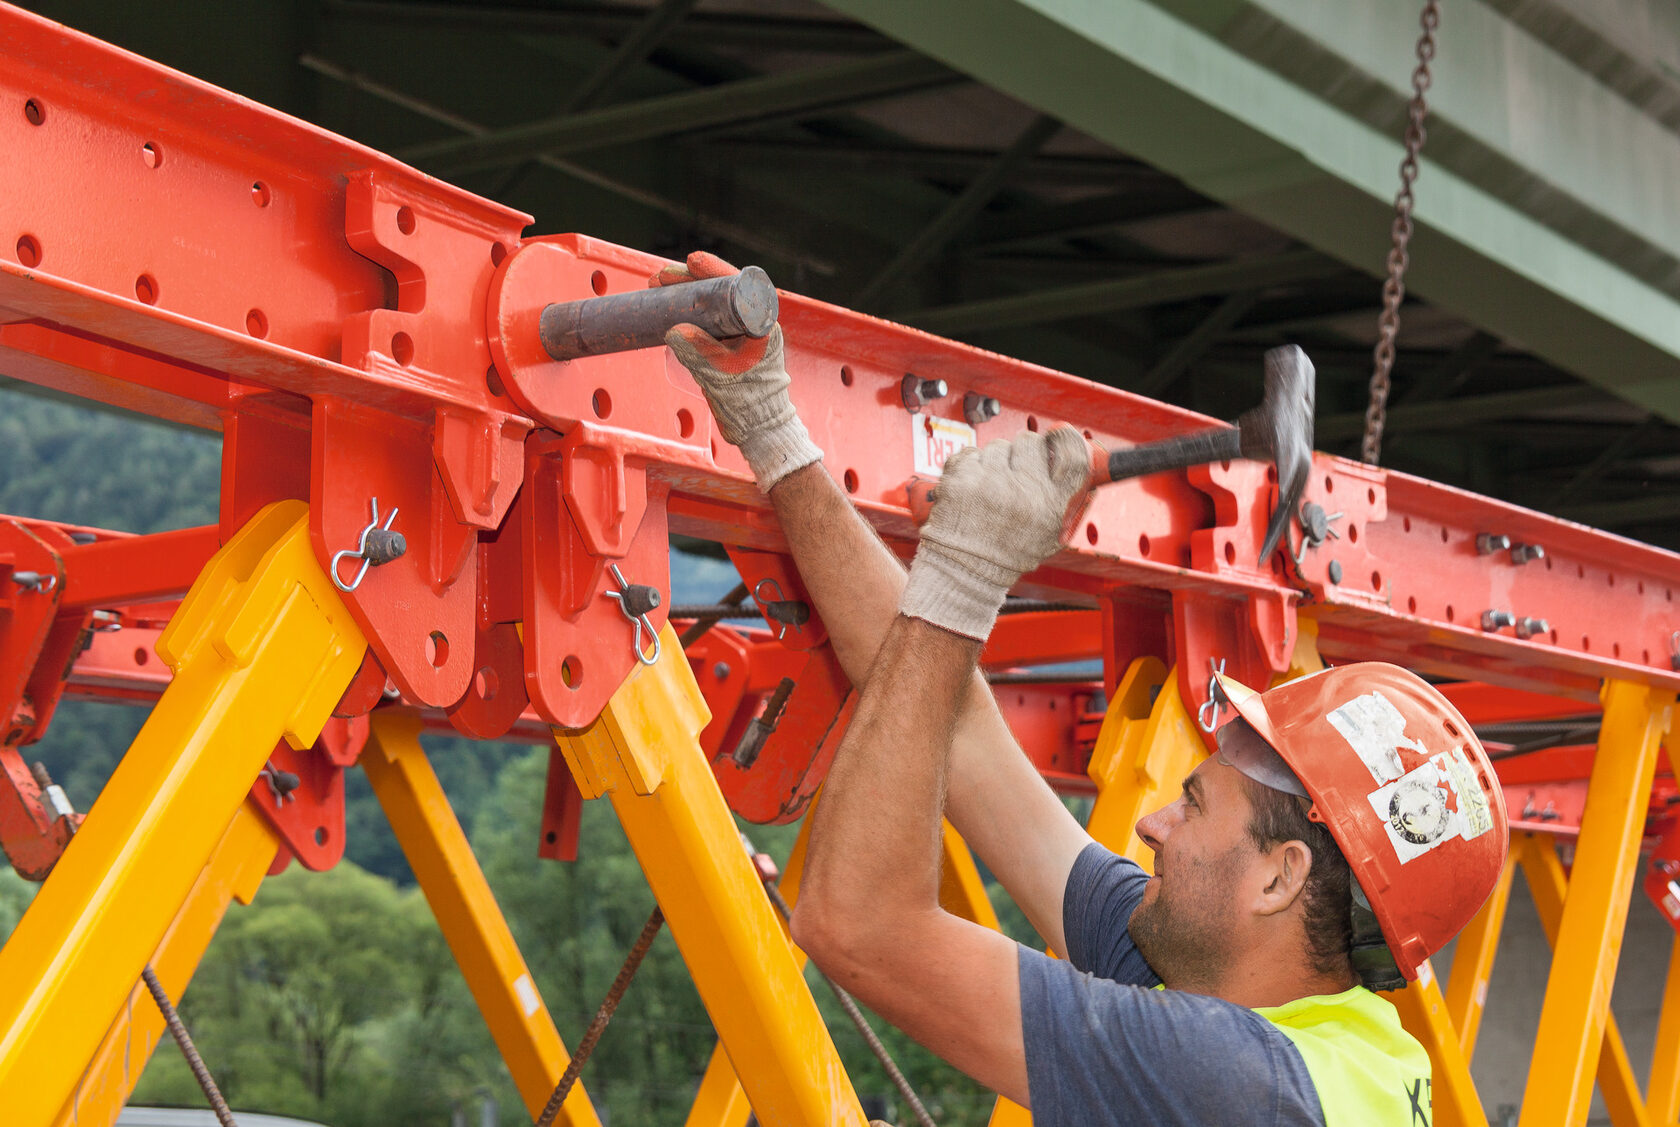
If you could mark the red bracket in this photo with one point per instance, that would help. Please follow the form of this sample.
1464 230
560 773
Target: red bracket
310 819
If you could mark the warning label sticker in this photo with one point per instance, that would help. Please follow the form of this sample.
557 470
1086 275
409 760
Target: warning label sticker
933 441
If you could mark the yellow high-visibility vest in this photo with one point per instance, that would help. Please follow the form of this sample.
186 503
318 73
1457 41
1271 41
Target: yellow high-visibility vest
1369 1071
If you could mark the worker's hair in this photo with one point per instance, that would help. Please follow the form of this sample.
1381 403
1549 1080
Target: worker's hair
1327 896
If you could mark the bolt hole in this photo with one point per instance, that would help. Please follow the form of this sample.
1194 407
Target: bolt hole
1371 496
146 289
485 683
685 423
1411 604
601 402
1554 636
1586 643
1376 581
34 112
1609 580
551 837
571 672
850 477
1271 475
260 194
1329 484
598 282
405 220
1449 612
320 835
29 251
1580 571
402 348
1230 552
437 649
1405 524
1548 563
1353 533
1639 587
256 323
1443 534
498 253
1143 546
1615 649
1091 532
493 381
845 375
1452 729
1645 656
141 655
1032 423
152 155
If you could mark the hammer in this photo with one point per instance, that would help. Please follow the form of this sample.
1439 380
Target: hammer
1279 431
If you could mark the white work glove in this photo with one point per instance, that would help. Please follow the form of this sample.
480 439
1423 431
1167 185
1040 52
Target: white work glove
746 383
998 512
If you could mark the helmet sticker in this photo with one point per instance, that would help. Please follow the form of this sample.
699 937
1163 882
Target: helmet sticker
1434 803
1376 731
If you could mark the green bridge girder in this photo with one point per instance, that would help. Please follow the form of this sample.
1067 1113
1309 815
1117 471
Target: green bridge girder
1548 207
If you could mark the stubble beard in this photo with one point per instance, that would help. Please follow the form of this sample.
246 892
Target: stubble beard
1184 938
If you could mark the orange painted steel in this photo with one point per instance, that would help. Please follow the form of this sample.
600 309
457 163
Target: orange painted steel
363 336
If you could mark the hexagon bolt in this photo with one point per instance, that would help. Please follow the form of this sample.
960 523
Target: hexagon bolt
979 408
1497 619
1523 553
918 393
1529 627
1487 543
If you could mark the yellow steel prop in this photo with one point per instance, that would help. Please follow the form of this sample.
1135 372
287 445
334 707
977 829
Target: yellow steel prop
235 870
262 648
1573 1017
644 753
466 911
1473 961
1142 754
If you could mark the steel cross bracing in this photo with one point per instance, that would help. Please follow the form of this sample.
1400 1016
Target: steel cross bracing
365 339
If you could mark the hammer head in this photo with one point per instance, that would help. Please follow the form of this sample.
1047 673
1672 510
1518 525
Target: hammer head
1280 431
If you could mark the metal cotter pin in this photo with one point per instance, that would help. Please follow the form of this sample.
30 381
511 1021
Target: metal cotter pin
635 600
1207 716
377 545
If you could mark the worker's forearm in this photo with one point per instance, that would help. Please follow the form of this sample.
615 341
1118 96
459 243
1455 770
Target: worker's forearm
875 845
853 579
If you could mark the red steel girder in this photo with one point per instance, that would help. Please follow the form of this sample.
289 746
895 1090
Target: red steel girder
176 250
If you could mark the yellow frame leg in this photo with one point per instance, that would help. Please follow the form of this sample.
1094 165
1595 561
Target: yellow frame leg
453 883
644 752
1143 752
262 647
1662 1095
235 871
1573 1017
1550 885
1478 943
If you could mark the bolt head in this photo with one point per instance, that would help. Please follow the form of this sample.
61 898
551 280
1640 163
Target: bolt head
1335 571
1315 522
721 671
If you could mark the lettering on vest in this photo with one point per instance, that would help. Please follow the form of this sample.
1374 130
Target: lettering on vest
1422 1095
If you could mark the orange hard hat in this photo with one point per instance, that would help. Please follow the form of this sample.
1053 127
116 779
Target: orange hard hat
1402 783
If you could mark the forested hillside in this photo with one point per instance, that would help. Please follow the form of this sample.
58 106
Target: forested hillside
333 997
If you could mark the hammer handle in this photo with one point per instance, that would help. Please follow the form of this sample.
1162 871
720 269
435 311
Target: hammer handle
1213 445
741 304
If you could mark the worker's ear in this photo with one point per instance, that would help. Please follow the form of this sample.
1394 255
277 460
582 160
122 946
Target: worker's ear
1284 870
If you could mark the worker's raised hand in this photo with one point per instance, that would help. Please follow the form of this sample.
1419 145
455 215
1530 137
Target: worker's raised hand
998 512
746 382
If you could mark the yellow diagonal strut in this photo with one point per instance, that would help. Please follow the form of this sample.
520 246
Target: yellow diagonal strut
466 911
644 753
235 871
262 648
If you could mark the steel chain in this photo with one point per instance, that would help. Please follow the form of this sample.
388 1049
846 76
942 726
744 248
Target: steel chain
1400 234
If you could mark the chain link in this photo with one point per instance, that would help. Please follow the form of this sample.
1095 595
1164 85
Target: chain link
1400 234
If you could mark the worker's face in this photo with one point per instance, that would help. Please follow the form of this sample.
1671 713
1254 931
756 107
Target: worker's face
1190 917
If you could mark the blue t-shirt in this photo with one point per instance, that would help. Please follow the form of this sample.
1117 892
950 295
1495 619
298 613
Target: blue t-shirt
1104 1048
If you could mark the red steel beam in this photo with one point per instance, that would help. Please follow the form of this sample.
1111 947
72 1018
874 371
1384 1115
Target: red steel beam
362 331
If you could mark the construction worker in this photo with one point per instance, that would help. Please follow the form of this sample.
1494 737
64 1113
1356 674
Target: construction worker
1347 827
